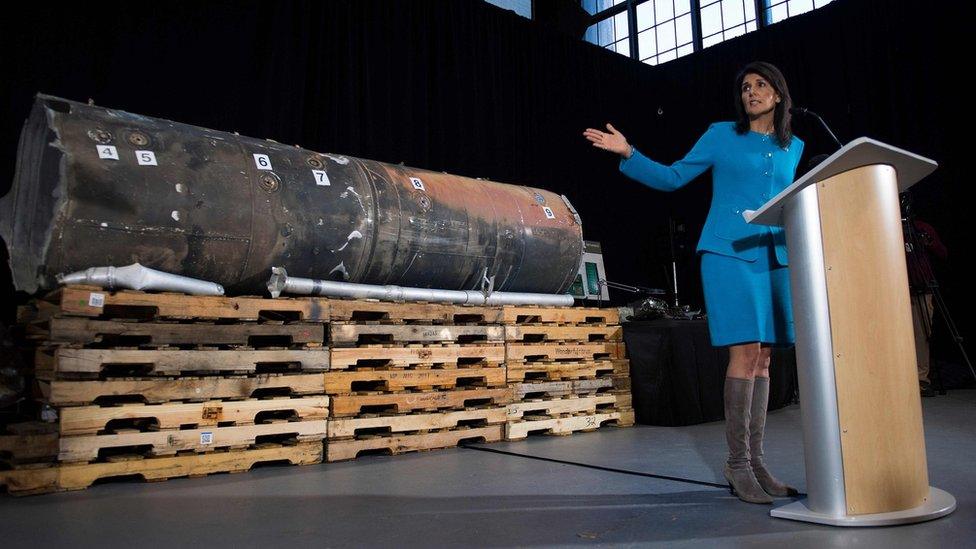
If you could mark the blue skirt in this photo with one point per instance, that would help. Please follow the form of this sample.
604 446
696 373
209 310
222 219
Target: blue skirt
747 301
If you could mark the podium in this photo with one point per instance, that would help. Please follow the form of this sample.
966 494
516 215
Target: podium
864 448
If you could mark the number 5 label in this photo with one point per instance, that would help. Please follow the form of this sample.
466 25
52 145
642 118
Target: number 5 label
146 158
262 161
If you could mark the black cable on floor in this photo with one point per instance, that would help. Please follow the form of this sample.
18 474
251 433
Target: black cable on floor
599 467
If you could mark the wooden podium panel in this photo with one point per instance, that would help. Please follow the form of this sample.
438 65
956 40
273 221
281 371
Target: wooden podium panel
879 407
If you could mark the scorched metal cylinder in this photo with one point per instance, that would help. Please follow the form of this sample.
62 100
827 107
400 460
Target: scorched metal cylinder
98 187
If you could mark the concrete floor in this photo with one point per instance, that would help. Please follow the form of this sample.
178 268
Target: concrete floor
465 497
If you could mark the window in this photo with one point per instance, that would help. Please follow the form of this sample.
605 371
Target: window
658 31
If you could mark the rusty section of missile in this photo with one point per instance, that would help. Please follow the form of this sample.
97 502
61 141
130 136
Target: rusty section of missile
97 186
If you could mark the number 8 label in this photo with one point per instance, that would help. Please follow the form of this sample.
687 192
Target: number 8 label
262 161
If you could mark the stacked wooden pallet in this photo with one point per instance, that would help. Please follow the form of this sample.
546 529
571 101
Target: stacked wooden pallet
568 370
167 385
414 376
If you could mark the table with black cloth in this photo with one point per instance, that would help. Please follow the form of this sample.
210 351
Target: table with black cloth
677 377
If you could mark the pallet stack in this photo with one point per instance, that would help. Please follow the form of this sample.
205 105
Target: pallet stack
414 376
568 370
168 385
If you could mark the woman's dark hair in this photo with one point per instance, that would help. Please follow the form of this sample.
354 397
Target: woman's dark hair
781 117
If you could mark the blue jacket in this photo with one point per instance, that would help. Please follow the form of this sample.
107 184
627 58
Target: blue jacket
747 170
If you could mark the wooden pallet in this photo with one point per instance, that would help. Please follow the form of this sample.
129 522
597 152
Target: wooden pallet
349 335
542 389
624 400
621 367
153 391
89 420
621 383
118 332
450 356
387 425
88 363
518 430
555 371
41 479
538 333
559 315
401 403
420 379
339 450
393 312
540 352
157 443
97 302
561 406
29 442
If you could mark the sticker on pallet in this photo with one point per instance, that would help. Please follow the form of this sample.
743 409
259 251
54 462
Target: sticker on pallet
39 479
339 450
169 389
351 335
405 402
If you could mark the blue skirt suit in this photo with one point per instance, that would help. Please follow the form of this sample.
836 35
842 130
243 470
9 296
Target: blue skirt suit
745 276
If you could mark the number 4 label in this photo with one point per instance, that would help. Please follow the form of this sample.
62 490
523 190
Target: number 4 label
146 158
108 152
321 178
262 161
549 213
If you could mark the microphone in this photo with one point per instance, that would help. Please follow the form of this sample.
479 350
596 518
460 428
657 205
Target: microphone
805 111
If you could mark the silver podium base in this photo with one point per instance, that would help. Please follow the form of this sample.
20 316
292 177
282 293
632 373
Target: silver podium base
939 504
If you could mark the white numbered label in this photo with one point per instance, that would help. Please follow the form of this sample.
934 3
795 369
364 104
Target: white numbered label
321 178
96 300
262 161
146 158
417 184
108 152
206 437
549 213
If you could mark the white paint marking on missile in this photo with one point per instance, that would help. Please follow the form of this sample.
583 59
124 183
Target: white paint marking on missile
175 215
103 224
342 269
320 222
353 235
180 188
108 152
341 160
359 198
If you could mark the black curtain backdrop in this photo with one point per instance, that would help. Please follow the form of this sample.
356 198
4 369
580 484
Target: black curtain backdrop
465 87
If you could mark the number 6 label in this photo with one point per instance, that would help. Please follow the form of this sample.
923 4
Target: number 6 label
146 158
262 161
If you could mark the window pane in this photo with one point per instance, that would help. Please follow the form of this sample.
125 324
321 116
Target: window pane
750 26
711 20
623 47
682 6
667 56
601 33
645 15
686 50
750 10
664 10
665 37
778 13
646 44
684 34
620 24
651 61
596 6
735 31
732 13
711 40
800 6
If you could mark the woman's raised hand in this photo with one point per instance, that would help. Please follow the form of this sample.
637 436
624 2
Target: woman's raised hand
613 141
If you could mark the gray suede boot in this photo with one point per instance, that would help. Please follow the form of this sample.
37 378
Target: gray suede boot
738 407
757 426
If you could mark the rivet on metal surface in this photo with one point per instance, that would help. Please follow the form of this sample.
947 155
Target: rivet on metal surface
270 183
424 202
314 162
100 136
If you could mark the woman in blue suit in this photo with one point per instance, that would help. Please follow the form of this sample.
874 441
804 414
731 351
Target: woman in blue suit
744 267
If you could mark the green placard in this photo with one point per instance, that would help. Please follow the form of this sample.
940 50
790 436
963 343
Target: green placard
592 279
